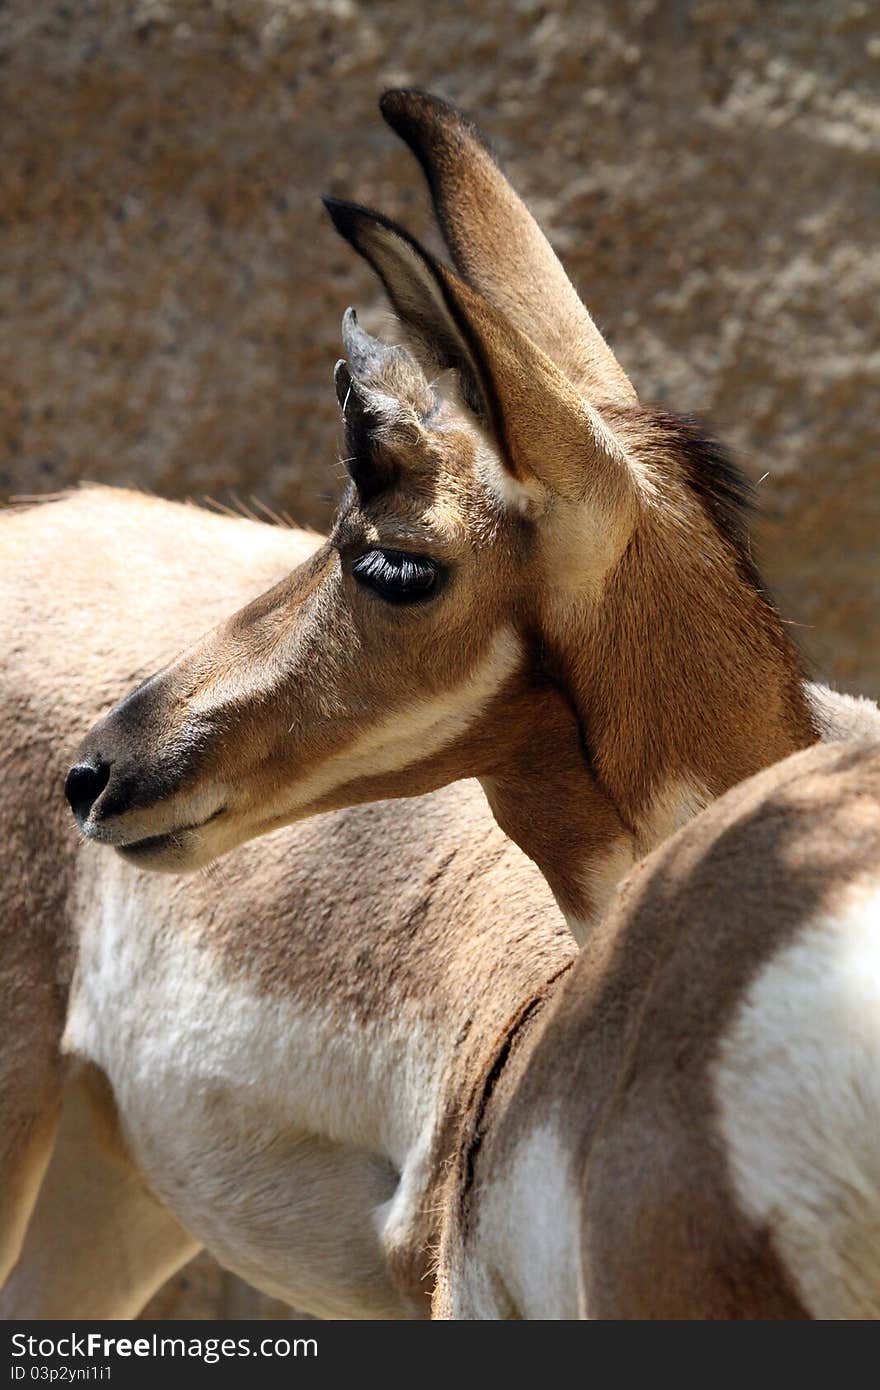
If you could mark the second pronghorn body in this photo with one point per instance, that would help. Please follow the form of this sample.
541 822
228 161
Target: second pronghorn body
690 1126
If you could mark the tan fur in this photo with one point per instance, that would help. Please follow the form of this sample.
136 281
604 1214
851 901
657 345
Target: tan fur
621 1062
493 239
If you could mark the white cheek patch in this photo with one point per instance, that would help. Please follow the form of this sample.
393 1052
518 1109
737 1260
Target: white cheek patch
798 1089
414 733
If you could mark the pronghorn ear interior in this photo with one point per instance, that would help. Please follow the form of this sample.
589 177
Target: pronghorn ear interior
413 281
543 426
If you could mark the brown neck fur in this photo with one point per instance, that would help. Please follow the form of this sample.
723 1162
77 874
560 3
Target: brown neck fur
686 670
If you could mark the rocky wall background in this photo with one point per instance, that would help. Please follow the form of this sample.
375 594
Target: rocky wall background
171 290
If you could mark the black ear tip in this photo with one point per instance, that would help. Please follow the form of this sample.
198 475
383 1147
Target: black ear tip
395 101
394 97
349 319
342 214
356 223
406 107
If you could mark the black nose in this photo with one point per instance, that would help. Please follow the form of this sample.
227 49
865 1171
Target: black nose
85 782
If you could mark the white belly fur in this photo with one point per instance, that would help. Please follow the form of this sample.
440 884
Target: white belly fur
273 1130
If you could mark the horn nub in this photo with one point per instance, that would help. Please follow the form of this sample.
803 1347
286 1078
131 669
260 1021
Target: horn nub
361 407
366 355
382 369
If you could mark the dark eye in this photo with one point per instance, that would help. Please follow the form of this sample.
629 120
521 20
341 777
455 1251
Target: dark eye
396 576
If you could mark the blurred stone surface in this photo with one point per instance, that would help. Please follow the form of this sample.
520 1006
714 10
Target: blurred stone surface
171 290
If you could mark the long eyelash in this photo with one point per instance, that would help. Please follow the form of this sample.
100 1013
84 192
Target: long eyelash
396 571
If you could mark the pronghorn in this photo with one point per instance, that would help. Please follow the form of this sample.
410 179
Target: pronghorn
479 698
532 580
687 1125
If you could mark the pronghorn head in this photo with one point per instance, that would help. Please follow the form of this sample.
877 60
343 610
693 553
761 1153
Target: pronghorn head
500 584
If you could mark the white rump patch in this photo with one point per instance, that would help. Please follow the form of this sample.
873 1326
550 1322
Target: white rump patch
798 1086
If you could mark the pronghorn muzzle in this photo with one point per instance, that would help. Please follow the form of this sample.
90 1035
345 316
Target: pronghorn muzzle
137 804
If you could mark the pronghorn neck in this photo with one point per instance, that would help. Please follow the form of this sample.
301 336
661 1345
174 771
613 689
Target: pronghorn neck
684 676
546 798
549 804
681 677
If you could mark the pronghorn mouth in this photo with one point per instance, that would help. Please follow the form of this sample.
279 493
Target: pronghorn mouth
172 839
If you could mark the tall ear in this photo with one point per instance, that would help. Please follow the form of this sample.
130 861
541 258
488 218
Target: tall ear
498 247
544 427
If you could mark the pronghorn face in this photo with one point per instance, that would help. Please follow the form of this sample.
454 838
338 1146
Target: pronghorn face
408 652
377 669
395 660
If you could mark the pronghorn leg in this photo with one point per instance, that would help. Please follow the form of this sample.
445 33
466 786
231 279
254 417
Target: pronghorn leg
98 1244
25 1151
30 1100
31 1067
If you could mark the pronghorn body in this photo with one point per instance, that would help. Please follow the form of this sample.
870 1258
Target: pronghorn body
689 1125
533 581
